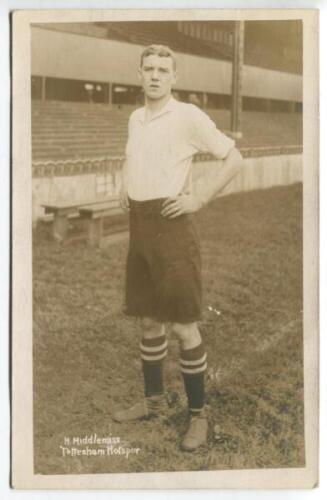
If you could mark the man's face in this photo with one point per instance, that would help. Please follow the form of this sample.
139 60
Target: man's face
157 76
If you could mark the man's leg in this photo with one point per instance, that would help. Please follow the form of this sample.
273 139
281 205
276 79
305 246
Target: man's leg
153 350
193 366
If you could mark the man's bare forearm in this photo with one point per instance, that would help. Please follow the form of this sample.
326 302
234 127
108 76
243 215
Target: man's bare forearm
209 186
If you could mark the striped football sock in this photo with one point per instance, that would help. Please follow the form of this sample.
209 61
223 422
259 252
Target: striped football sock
193 366
153 352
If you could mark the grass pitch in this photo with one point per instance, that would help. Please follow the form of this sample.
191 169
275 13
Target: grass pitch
86 360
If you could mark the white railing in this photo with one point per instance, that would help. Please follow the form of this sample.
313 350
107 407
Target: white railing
110 164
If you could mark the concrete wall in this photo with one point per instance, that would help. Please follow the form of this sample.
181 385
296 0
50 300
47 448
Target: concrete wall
67 55
257 173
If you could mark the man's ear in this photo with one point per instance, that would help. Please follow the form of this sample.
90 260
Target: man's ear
175 76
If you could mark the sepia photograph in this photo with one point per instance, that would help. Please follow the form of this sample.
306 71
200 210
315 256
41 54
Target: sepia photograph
167 229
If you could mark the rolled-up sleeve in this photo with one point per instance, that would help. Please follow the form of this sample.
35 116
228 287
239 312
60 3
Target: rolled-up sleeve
205 136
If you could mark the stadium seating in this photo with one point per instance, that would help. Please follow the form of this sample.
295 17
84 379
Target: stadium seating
143 33
62 130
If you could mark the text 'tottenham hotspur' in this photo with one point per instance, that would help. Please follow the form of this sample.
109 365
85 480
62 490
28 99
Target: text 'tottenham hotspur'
94 445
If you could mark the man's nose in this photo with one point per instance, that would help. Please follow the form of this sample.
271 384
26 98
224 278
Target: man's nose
155 74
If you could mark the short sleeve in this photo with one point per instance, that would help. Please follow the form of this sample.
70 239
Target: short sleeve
205 136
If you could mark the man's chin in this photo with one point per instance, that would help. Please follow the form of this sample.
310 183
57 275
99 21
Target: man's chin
154 94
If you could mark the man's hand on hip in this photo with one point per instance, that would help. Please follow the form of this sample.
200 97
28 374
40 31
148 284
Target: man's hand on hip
179 205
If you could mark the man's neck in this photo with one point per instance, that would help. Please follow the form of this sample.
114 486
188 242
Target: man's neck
153 106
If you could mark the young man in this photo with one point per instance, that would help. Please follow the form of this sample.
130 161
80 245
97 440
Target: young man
163 267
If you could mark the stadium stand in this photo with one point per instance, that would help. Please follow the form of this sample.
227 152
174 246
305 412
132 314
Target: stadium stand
264 46
145 33
76 130
166 33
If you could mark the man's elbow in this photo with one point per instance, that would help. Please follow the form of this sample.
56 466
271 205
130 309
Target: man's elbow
237 157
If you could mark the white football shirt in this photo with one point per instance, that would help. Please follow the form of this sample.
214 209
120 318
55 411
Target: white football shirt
159 152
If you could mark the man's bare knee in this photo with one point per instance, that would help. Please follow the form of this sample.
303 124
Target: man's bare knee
152 329
186 332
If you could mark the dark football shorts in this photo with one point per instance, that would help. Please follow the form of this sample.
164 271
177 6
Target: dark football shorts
163 279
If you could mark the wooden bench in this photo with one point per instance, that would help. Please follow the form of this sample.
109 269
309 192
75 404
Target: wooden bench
95 215
62 211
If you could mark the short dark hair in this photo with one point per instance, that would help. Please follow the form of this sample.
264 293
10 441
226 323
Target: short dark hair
158 50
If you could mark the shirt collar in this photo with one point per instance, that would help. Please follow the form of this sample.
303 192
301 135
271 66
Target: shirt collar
168 107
